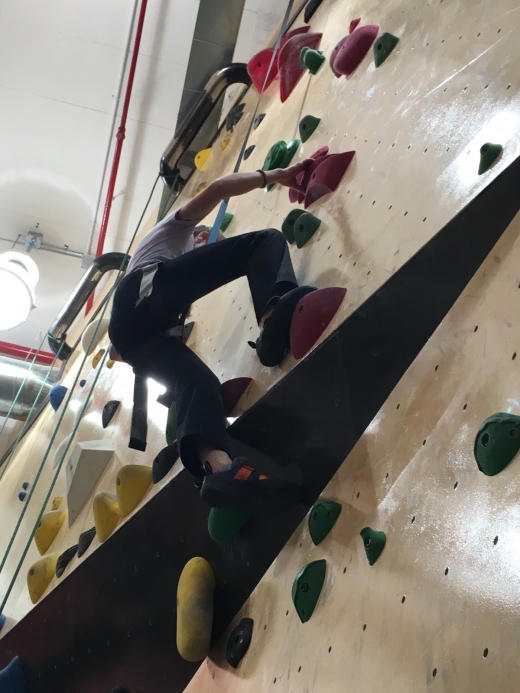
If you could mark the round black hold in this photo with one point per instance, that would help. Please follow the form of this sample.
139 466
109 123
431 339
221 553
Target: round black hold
85 540
164 462
239 641
82 383
258 120
25 485
305 587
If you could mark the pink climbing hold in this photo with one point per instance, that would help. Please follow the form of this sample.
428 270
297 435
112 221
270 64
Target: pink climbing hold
311 317
353 25
291 34
327 176
289 61
351 50
257 69
303 178
232 391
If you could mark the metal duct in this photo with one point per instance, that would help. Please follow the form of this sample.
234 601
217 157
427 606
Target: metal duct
12 374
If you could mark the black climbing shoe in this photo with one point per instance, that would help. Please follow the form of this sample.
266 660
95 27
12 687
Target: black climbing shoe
273 342
240 486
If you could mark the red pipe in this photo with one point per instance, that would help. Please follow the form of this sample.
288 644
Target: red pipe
120 136
23 352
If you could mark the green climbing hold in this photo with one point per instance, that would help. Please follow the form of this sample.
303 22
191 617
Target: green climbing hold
292 148
497 442
305 228
489 153
311 59
308 125
322 519
171 426
384 45
225 523
289 222
226 221
374 543
307 587
280 156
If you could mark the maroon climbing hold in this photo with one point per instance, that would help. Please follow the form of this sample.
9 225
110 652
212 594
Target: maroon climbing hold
327 176
258 66
311 316
232 391
351 50
291 34
302 179
353 25
289 61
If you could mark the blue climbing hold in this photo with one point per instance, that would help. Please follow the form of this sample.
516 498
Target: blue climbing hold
82 383
25 485
21 495
57 395
2 621
11 678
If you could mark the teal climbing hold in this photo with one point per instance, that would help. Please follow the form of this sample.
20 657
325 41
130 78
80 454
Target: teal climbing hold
305 228
225 523
374 543
311 59
171 426
384 45
308 125
307 588
497 442
489 153
226 221
57 395
322 518
289 222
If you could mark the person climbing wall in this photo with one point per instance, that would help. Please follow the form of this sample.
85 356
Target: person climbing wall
170 269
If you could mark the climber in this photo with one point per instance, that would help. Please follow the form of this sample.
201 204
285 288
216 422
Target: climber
170 269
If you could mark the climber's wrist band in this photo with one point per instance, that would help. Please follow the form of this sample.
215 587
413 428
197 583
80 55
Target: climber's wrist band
264 184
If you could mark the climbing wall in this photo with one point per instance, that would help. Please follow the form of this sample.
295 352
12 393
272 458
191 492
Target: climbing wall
417 124
439 609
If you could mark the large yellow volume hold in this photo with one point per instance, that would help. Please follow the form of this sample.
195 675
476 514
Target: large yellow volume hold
49 526
133 481
106 514
40 575
195 609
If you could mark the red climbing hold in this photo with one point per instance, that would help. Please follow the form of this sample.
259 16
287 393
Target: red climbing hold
232 391
257 69
327 176
353 25
351 50
291 34
303 178
311 316
289 61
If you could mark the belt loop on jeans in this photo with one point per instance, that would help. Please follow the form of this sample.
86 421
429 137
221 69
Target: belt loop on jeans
146 285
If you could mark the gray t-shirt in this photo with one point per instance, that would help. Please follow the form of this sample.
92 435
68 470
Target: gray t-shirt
168 239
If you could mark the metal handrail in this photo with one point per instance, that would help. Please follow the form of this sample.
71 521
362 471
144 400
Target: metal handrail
236 73
57 333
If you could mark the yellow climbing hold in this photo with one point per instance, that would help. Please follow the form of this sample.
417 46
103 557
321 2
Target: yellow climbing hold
110 363
97 358
133 481
225 142
199 189
39 576
49 526
106 514
204 159
195 609
56 502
